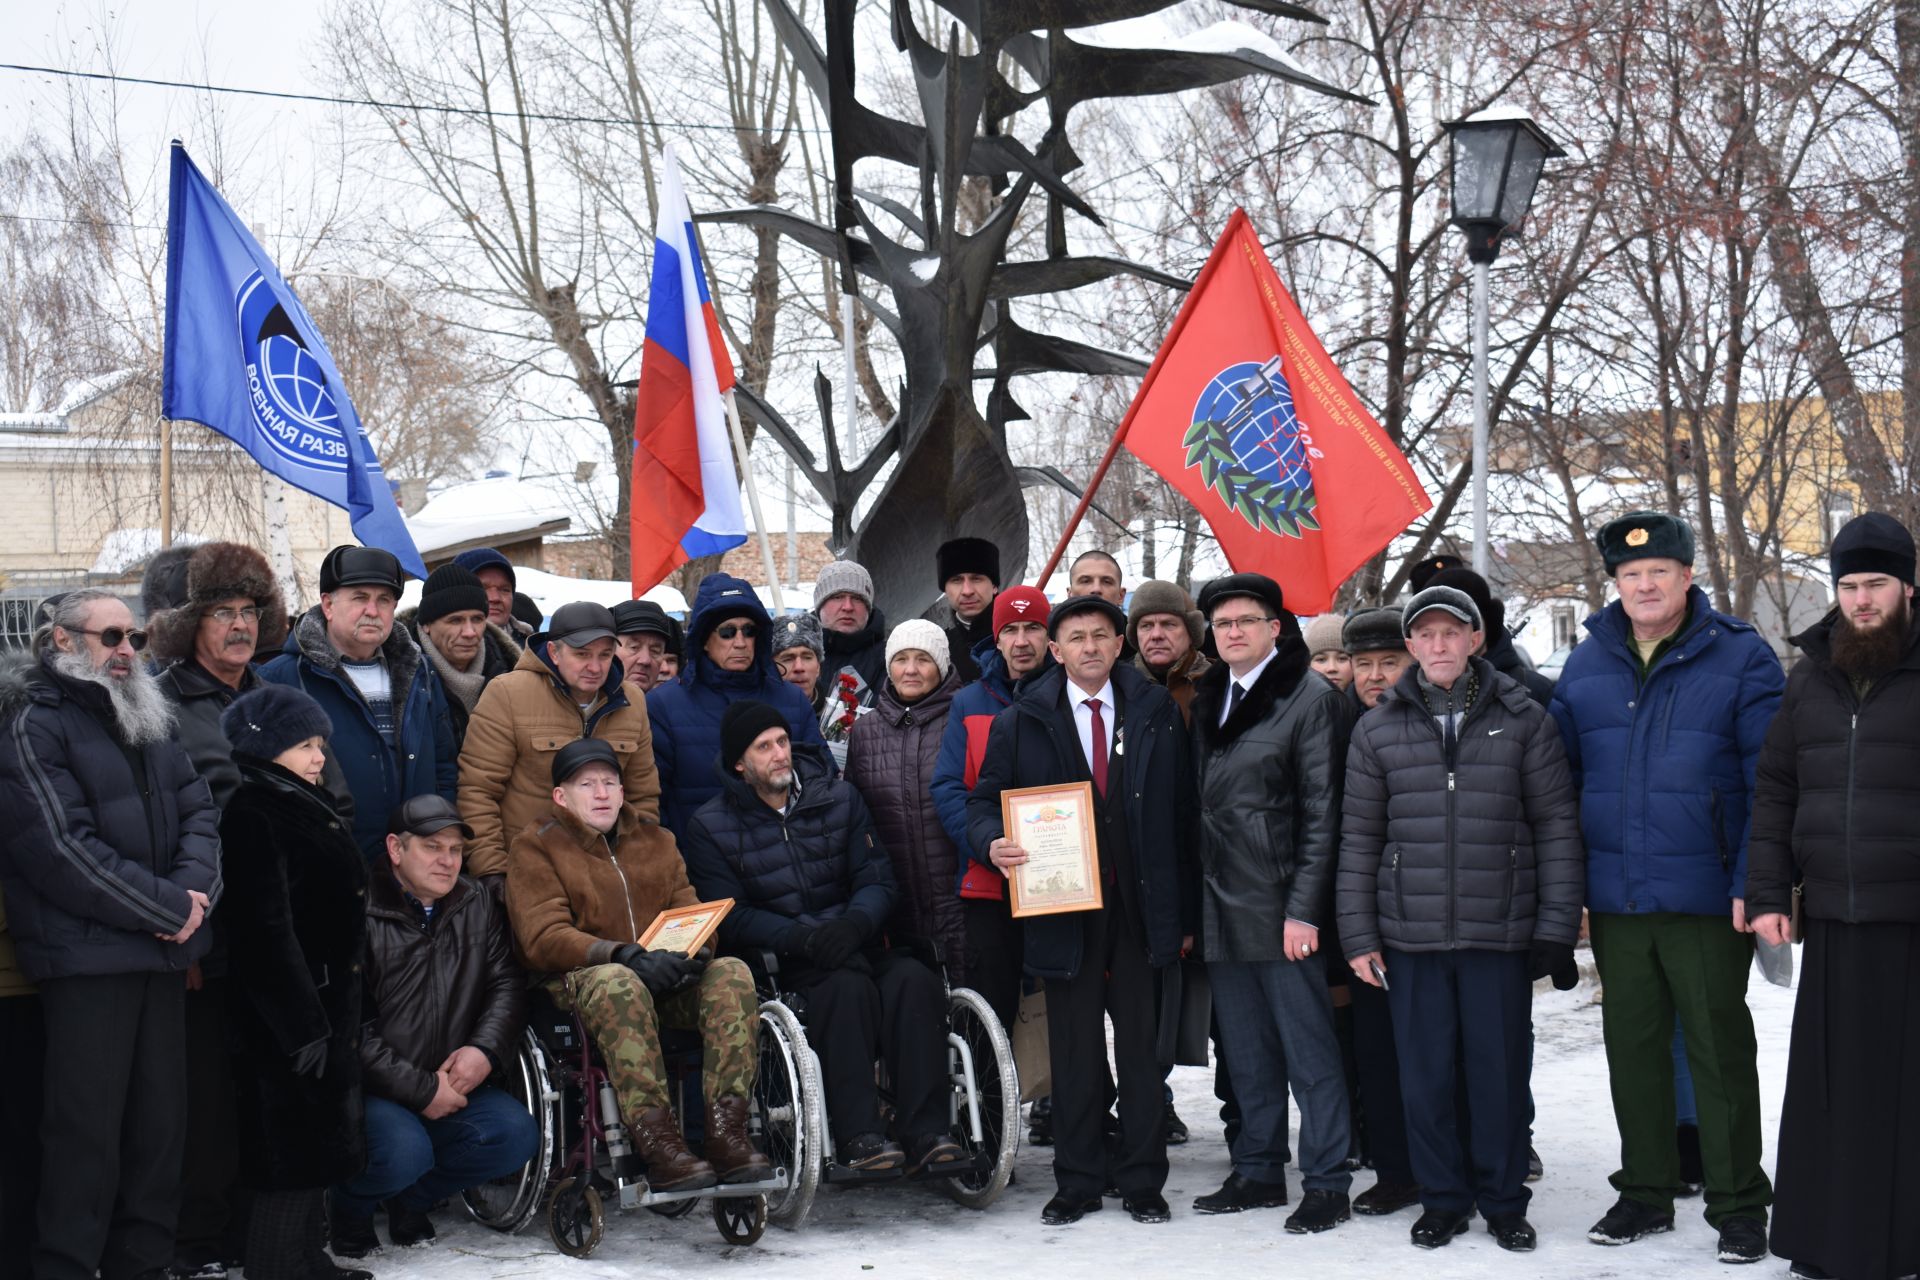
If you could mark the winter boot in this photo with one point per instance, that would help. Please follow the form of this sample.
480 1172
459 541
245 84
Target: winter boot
1629 1220
1385 1197
670 1166
1512 1232
1040 1122
1319 1211
1743 1239
407 1227
350 1235
729 1150
1438 1227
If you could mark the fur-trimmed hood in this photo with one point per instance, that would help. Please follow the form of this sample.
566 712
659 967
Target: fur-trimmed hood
19 676
183 582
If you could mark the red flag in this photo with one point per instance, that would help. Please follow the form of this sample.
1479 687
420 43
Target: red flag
1244 413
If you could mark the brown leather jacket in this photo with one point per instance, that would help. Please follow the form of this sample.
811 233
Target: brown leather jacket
434 987
506 763
573 897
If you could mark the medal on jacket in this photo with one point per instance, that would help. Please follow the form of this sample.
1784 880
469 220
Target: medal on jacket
1119 739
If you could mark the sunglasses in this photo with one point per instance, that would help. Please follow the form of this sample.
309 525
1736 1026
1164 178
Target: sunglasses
728 630
110 637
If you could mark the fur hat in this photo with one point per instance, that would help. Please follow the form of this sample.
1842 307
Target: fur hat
1644 535
1154 596
918 633
795 631
181 583
1421 574
1324 634
842 576
268 719
967 555
1373 631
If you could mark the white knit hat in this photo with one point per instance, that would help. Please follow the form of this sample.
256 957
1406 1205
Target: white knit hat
918 633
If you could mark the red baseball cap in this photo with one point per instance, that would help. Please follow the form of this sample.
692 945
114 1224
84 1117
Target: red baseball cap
1019 604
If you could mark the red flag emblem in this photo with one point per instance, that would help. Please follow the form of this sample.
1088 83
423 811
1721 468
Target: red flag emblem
1244 413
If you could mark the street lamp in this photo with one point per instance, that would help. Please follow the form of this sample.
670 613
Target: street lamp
1496 156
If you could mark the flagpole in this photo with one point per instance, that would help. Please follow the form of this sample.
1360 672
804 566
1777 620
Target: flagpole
753 501
1086 500
166 482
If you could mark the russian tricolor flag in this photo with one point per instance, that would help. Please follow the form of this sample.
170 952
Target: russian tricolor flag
686 497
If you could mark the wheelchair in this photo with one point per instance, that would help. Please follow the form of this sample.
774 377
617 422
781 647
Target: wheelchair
983 1107
585 1158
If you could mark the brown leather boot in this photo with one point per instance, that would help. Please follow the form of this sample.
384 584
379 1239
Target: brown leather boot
729 1149
670 1166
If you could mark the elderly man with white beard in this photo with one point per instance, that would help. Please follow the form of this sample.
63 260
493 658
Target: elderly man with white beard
110 866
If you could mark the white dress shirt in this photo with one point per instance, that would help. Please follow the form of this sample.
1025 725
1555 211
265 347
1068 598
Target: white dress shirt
1083 718
1245 684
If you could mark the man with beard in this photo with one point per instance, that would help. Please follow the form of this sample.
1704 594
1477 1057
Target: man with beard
1833 840
466 649
209 609
110 866
1663 714
969 573
1164 629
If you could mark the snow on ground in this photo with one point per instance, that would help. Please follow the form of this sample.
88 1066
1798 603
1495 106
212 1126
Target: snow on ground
912 1232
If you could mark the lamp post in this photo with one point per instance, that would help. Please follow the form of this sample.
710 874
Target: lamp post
1496 156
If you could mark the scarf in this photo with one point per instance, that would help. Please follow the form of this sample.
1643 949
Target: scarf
464 685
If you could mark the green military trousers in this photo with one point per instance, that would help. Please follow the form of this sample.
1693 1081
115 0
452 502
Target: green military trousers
624 1020
1651 967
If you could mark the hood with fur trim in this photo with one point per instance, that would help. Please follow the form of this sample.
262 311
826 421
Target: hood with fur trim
181 583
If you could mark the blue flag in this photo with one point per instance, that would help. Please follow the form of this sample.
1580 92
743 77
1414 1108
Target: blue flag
244 358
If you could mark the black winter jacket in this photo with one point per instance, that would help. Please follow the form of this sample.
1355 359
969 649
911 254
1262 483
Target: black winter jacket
199 700
1269 784
1477 848
1837 791
1033 743
103 841
1506 659
787 872
296 923
435 986
865 651
891 753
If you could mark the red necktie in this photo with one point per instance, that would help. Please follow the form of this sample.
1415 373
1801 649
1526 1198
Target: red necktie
1099 747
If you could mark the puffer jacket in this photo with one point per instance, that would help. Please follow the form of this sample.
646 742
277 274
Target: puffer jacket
433 986
1477 848
1034 744
1837 789
685 713
574 895
1665 769
787 873
422 760
891 756
103 841
522 721
864 652
1269 788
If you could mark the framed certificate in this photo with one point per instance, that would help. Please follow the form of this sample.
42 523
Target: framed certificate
685 929
1055 827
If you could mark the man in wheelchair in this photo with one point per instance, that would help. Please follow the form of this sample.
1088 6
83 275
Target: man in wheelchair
793 846
581 888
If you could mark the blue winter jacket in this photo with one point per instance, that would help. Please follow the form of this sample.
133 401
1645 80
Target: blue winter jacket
686 713
1665 771
423 759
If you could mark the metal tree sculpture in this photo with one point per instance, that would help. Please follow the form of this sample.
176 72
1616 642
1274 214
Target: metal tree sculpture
950 294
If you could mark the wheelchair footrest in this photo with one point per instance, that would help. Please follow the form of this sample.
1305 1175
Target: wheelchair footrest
844 1175
976 1163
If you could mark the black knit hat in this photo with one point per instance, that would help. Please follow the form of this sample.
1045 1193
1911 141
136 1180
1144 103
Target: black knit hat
1373 630
1873 543
451 589
580 753
740 724
632 617
267 720
1421 574
968 555
1645 535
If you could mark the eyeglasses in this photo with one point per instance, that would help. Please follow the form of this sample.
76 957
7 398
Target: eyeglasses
111 637
728 630
227 617
1240 624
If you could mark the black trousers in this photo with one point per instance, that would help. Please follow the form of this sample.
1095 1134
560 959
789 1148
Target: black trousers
994 955
212 1165
23 1060
1114 981
893 1009
114 1125
1381 1107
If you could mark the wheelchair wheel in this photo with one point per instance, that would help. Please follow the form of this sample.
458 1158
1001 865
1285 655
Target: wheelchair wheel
789 1110
971 1023
509 1204
741 1219
574 1216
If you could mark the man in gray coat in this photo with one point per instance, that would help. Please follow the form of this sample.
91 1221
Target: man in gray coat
1461 877
1267 742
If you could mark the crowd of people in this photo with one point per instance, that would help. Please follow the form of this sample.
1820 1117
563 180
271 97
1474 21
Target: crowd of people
276 892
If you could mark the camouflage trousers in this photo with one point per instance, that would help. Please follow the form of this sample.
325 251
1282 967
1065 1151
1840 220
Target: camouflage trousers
624 1020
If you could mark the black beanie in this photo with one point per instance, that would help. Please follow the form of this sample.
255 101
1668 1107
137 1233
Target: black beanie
1873 543
740 724
269 718
451 589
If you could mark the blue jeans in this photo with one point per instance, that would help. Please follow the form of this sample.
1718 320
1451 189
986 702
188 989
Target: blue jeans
420 1162
1276 1029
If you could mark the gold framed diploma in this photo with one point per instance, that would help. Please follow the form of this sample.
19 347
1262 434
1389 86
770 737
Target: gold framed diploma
685 929
1054 825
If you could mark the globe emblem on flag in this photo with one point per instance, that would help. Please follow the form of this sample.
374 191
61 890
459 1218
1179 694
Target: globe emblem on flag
1252 450
287 388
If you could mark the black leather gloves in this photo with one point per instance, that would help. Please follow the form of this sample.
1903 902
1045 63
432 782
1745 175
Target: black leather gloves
662 972
832 944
